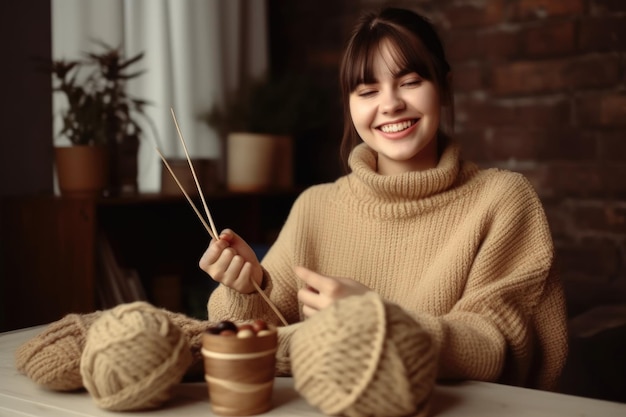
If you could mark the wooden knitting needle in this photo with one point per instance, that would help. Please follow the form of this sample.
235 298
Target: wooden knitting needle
269 302
193 206
212 230
193 172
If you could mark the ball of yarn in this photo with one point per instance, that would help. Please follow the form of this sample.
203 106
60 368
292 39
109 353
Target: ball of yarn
52 358
364 357
133 356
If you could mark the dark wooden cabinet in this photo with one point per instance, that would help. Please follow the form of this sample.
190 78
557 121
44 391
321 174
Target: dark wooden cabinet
49 248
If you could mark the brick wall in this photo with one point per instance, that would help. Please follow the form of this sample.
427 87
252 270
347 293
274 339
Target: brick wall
540 88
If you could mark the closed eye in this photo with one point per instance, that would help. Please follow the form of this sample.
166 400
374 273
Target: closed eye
367 93
364 91
412 83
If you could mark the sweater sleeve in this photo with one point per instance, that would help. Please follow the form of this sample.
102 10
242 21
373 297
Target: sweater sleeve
509 324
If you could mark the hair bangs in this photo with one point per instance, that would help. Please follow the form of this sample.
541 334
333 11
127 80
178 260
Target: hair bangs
408 54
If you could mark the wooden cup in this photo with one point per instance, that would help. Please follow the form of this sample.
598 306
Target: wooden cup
240 373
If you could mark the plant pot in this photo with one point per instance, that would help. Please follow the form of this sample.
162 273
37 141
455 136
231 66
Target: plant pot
257 162
82 170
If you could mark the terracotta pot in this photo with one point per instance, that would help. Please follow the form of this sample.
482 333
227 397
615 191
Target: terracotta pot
258 162
82 170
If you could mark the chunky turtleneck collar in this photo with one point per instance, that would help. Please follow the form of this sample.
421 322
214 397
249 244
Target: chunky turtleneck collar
407 186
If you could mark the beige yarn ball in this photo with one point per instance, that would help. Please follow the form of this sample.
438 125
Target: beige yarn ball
363 356
133 356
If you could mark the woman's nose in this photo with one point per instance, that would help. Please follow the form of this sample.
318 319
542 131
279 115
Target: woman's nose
391 102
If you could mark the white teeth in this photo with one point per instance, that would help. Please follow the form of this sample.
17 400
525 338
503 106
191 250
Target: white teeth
396 127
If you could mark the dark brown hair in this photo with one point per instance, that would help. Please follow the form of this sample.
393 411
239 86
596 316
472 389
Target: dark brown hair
417 48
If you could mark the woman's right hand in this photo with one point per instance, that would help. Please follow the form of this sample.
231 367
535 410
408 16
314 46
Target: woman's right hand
232 262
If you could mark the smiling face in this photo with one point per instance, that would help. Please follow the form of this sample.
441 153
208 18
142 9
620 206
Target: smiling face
396 91
397 114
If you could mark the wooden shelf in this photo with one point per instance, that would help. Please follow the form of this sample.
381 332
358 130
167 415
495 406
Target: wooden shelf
49 261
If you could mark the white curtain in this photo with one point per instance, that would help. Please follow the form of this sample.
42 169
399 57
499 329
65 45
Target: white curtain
195 52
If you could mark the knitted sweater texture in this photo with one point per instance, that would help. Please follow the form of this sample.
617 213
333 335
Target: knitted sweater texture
466 252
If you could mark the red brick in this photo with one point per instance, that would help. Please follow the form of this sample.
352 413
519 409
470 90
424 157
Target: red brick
594 259
602 110
592 72
562 144
500 45
613 180
513 143
471 46
613 145
603 216
567 143
603 34
463 46
585 180
473 114
472 15
607 6
541 77
474 147
550 39
567 179
531 9
581 295
467 78
527 77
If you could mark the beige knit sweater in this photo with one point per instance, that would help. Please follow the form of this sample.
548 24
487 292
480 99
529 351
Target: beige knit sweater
466 252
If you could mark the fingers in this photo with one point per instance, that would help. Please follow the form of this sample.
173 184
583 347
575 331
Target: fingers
320 291
311 299
312 279
308 311
229 261
232 270
329 286
238 275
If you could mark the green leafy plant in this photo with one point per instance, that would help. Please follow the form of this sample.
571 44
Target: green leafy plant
278 105
99 111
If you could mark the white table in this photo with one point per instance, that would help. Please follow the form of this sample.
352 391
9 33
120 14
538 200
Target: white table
19 396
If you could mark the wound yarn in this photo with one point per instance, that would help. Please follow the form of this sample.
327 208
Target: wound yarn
133 356
51 359
363 356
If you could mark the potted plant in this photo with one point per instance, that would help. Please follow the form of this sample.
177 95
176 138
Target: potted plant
259 122
100 121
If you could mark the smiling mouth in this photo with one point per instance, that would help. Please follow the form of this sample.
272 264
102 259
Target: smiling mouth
398 127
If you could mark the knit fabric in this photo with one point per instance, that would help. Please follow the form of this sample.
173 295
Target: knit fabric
363 357
133 356
52 358
192 329
467 252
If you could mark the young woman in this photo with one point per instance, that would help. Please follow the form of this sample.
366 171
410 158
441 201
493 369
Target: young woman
466 252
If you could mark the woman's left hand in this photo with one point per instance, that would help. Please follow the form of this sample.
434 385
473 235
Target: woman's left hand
321 290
